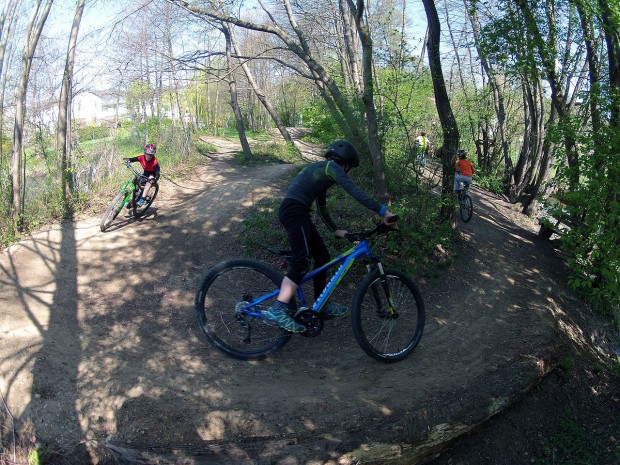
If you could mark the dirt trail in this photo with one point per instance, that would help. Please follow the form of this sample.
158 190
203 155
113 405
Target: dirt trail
102 355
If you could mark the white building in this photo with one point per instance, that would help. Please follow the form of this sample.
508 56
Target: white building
91 108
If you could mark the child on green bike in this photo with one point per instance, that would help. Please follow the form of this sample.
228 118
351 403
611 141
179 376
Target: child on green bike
150 165
311 185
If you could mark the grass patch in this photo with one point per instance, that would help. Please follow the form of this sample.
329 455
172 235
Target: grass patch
269 152
262 229
576 444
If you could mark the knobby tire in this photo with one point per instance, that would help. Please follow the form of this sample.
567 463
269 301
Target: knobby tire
466 208
378 333
113 210
226 285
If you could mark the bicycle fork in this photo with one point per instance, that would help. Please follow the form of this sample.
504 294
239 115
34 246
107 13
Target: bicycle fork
384 287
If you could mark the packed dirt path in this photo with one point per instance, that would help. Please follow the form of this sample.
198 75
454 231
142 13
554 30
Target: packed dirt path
101 351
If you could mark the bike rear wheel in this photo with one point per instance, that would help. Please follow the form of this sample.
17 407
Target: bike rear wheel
113 210
388 334
223 293
138 210
466 207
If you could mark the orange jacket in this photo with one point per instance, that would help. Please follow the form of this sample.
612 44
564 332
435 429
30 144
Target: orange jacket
467 169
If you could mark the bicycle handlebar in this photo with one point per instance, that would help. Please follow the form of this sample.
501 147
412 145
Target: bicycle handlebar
136 172
381 228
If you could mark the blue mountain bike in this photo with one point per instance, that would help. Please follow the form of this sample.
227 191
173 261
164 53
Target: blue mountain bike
387 312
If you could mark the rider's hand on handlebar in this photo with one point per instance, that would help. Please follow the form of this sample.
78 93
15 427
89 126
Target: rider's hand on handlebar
340 233
390 219
125 160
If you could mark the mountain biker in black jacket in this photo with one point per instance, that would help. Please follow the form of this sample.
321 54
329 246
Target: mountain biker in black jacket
311 185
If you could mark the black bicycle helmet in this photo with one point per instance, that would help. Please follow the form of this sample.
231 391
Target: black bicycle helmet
343 151
462 154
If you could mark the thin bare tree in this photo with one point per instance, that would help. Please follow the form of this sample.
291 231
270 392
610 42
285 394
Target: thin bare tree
258 91
232 84
64 115
358 12
7 21
32 34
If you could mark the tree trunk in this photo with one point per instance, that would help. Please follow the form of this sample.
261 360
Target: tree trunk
18 165
350 49
546 47
533 169
63 112
444 110
234 101
585 15
368 99
167 26
610 22
7 23
498 100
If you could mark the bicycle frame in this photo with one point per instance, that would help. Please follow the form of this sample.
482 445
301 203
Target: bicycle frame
345 260
135 184
129 187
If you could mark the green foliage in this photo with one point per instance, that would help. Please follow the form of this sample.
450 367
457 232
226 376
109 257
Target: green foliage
204 148
592 204
491 182
575 443
262 228
138 95
276 152
37 457
317 116
615 366
92 132
408 108
568 364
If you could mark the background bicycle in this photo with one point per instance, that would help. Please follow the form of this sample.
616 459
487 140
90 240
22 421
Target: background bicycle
466 205
387 311
128 197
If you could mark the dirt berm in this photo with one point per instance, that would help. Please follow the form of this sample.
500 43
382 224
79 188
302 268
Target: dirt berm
101 351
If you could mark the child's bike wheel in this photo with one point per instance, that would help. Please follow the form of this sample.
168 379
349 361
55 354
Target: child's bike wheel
466 207
138 210
388 334
112 211
220 300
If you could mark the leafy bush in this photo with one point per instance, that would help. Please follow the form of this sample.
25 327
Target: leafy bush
591 196
317 116
490 182
92 132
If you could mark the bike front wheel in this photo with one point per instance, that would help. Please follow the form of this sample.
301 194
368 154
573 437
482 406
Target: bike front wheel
388 329
113 210
466 207
220 300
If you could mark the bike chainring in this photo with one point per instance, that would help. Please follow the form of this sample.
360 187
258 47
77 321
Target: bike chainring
312 321
242 317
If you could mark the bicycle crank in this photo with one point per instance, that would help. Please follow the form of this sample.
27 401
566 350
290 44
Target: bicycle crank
311 320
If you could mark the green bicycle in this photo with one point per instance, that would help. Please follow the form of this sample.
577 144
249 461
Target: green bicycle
129 196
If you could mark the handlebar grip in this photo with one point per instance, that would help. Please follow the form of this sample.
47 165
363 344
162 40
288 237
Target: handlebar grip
393 219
